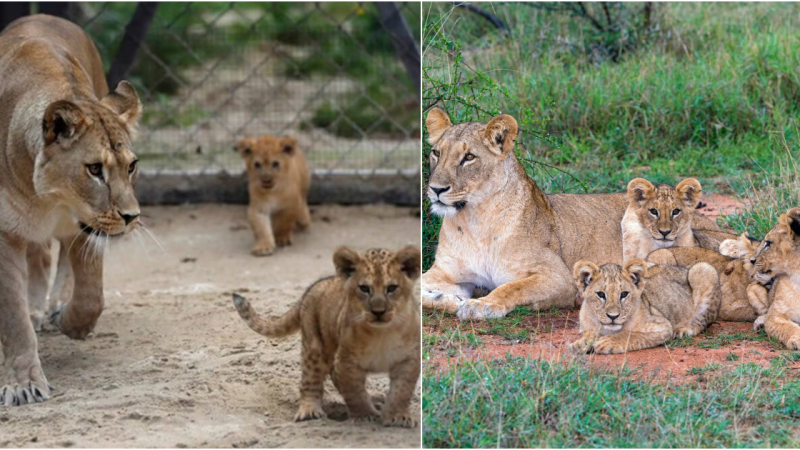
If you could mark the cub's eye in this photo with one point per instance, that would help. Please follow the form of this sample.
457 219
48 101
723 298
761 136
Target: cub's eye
276 164
767 244
257 165
654 212
602 295
391 288
96 169
436 153
469 157
675 212
132 167
364 288
624 294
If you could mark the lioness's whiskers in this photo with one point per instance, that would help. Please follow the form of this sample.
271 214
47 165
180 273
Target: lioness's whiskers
153 237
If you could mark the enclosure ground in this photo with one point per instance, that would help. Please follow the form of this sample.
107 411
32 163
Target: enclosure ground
172 365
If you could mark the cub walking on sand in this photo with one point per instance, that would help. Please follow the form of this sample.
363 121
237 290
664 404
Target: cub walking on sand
632 307
278 182
362 320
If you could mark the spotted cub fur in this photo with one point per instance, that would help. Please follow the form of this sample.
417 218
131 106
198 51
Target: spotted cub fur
362 320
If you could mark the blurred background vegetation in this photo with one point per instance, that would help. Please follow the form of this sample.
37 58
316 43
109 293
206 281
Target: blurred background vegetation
606 92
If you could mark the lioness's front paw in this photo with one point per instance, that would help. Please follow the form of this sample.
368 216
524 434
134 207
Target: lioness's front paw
605 346
263 249
16 395
404 420
759 323
476 309
37 319
308 412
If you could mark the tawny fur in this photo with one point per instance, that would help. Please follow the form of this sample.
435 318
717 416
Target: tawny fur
501 232
278 181
778 255
349 333
635 307
66 171
664 216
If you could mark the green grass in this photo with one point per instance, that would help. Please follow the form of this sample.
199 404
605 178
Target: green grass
516 402
709 367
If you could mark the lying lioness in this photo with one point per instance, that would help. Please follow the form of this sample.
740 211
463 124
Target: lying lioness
501 232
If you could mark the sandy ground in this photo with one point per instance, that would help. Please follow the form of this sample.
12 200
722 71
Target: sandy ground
172 365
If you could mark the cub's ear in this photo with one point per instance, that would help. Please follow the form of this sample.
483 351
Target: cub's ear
288 145
584 272
689 190
500 134
637 271
437 123
244 146
346 260
62 121
793 220
736 248
125 102
410 260
640 190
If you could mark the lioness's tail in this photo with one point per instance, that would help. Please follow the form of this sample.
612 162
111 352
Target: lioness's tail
279 327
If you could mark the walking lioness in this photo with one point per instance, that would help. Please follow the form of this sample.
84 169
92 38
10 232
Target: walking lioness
501 232
66 170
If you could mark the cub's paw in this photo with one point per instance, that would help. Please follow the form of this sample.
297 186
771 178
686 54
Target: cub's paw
77 331
581 346
308 412
443 302
403 420
37 319
369 416
263 249
605 346
759 323
684 332
793 343
283 241
480 310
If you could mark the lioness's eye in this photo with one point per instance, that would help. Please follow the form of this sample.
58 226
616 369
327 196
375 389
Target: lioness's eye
767 244
436 153
364 288
602 295
623 295
391 288
654 212
132 167
469 157
675 212
95 169
276 164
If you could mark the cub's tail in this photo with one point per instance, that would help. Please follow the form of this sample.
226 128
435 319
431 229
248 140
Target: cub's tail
278 327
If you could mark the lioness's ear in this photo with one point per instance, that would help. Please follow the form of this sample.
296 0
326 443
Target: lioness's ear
640 190
437 123
793 220
62 120
689 190
500 134
637 271
288 145
409 259
584 272
125 102
345 260
736 248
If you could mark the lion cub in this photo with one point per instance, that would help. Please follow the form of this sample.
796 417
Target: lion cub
632 307
744 290
278 183
363 320
661 217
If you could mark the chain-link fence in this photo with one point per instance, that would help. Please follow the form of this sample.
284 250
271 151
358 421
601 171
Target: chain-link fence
330 74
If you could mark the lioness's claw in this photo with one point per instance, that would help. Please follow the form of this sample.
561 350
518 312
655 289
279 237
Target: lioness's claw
400 420
24 394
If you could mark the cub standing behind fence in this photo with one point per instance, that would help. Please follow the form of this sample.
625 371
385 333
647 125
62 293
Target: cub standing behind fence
278 182
362 320
66 170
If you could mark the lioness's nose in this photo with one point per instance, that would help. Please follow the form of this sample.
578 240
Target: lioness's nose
665 233
612 316
128 217
752 261
439 190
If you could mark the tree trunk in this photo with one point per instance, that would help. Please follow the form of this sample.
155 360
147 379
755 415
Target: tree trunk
135 33
404 42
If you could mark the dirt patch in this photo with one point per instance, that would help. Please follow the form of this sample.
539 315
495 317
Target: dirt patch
172 365
721 205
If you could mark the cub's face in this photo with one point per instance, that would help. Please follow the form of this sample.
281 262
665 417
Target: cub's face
744 248
664 211
268 159
611 292
779 252
466 159
87 162
378 282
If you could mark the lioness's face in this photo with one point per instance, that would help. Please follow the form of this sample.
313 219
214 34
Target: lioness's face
664 211
610 291
465 158
779 252
378 282
268 159
88 163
